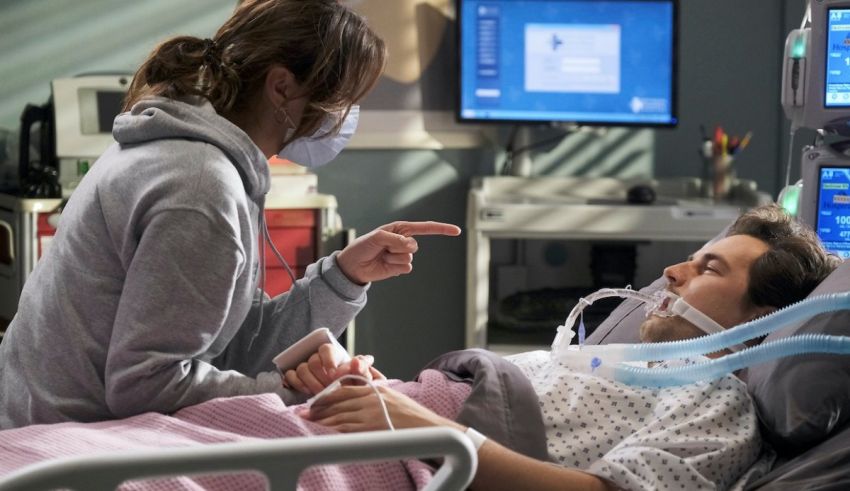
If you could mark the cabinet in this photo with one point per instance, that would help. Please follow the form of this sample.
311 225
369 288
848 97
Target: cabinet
25 231
297 235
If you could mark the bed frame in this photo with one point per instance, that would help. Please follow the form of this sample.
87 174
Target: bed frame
280 460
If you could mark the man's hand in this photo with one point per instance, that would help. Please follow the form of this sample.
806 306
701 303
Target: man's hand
356 408
321 369
387 251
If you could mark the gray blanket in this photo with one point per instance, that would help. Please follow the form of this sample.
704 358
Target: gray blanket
502 404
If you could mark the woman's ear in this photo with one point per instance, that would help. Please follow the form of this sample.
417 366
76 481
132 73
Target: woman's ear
280 86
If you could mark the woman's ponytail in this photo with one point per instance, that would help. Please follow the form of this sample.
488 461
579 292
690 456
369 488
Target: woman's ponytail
185 66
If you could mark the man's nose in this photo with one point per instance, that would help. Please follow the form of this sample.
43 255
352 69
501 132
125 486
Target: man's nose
676 274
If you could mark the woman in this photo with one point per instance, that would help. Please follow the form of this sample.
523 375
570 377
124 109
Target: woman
147 299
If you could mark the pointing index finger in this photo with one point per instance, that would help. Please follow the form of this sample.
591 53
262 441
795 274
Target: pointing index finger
409 229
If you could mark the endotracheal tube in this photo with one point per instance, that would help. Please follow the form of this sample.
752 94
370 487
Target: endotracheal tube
566 333
608 360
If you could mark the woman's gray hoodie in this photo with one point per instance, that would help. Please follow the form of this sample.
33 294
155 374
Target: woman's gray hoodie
145 300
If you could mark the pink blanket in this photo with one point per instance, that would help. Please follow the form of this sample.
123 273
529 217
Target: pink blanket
228 420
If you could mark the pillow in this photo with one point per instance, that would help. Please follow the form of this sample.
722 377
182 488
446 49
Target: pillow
803 400
824 468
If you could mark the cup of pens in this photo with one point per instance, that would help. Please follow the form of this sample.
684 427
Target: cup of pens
718 154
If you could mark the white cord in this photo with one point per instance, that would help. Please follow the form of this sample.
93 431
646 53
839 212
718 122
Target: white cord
338 382
790 156
807 16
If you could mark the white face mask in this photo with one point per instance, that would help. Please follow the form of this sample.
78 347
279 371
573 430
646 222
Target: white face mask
318 149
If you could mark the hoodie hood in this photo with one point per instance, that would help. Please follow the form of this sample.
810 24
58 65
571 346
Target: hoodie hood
160 118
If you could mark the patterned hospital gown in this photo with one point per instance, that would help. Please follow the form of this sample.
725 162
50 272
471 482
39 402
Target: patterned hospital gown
700 436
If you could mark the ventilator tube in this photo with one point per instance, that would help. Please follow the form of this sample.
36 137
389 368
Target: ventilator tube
662 303
719 367
565 332
670 350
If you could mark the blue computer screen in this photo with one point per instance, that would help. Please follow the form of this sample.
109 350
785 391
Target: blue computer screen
586 61
837 83
833 219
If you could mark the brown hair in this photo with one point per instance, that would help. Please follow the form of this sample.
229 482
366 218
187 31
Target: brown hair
795 263
330 50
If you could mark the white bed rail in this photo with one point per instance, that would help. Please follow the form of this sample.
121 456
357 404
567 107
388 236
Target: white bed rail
281 460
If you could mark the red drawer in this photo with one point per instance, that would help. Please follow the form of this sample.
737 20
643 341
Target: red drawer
297 245
44 233
293 233
291 218
277 279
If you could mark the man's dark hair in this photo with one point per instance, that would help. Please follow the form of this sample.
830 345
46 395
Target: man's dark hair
795 263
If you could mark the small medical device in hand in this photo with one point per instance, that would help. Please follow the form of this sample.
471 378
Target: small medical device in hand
301 351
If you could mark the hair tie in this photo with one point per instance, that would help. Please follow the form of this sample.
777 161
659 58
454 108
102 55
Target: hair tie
210 53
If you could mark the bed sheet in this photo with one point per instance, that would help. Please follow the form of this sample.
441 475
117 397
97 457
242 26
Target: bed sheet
235 419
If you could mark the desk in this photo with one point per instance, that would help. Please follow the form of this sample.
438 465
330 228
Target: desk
575 209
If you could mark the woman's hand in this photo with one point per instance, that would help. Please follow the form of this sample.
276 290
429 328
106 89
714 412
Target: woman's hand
387 251
356 408
322 368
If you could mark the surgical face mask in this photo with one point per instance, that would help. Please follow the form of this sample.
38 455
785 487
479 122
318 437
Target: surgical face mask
320 148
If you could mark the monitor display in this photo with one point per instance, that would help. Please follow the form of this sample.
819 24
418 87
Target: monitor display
83 109
833 209
837 80
98 108
605 62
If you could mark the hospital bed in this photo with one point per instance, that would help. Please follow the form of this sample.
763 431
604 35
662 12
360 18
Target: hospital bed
281 461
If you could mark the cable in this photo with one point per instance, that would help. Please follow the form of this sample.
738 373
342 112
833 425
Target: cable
507 163
790 156
266 238
338 383
511 152
277 253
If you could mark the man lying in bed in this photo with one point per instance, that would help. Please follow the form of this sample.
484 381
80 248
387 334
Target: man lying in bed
606 435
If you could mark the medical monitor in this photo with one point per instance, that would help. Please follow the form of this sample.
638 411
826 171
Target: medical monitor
816 69
825 201
84 108
591 62
833 209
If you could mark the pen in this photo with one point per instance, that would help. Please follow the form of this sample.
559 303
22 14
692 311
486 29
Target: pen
746 140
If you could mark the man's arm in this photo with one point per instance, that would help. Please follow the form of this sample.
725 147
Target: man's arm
501 468
354 409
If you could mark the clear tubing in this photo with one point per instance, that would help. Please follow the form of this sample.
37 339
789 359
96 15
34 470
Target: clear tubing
670 350
565 332
673 376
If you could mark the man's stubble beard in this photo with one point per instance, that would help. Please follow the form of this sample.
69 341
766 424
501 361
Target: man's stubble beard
657 329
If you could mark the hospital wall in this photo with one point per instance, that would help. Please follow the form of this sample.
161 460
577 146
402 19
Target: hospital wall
730 60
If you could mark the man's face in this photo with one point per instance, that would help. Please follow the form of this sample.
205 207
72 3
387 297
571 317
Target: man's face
714 281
